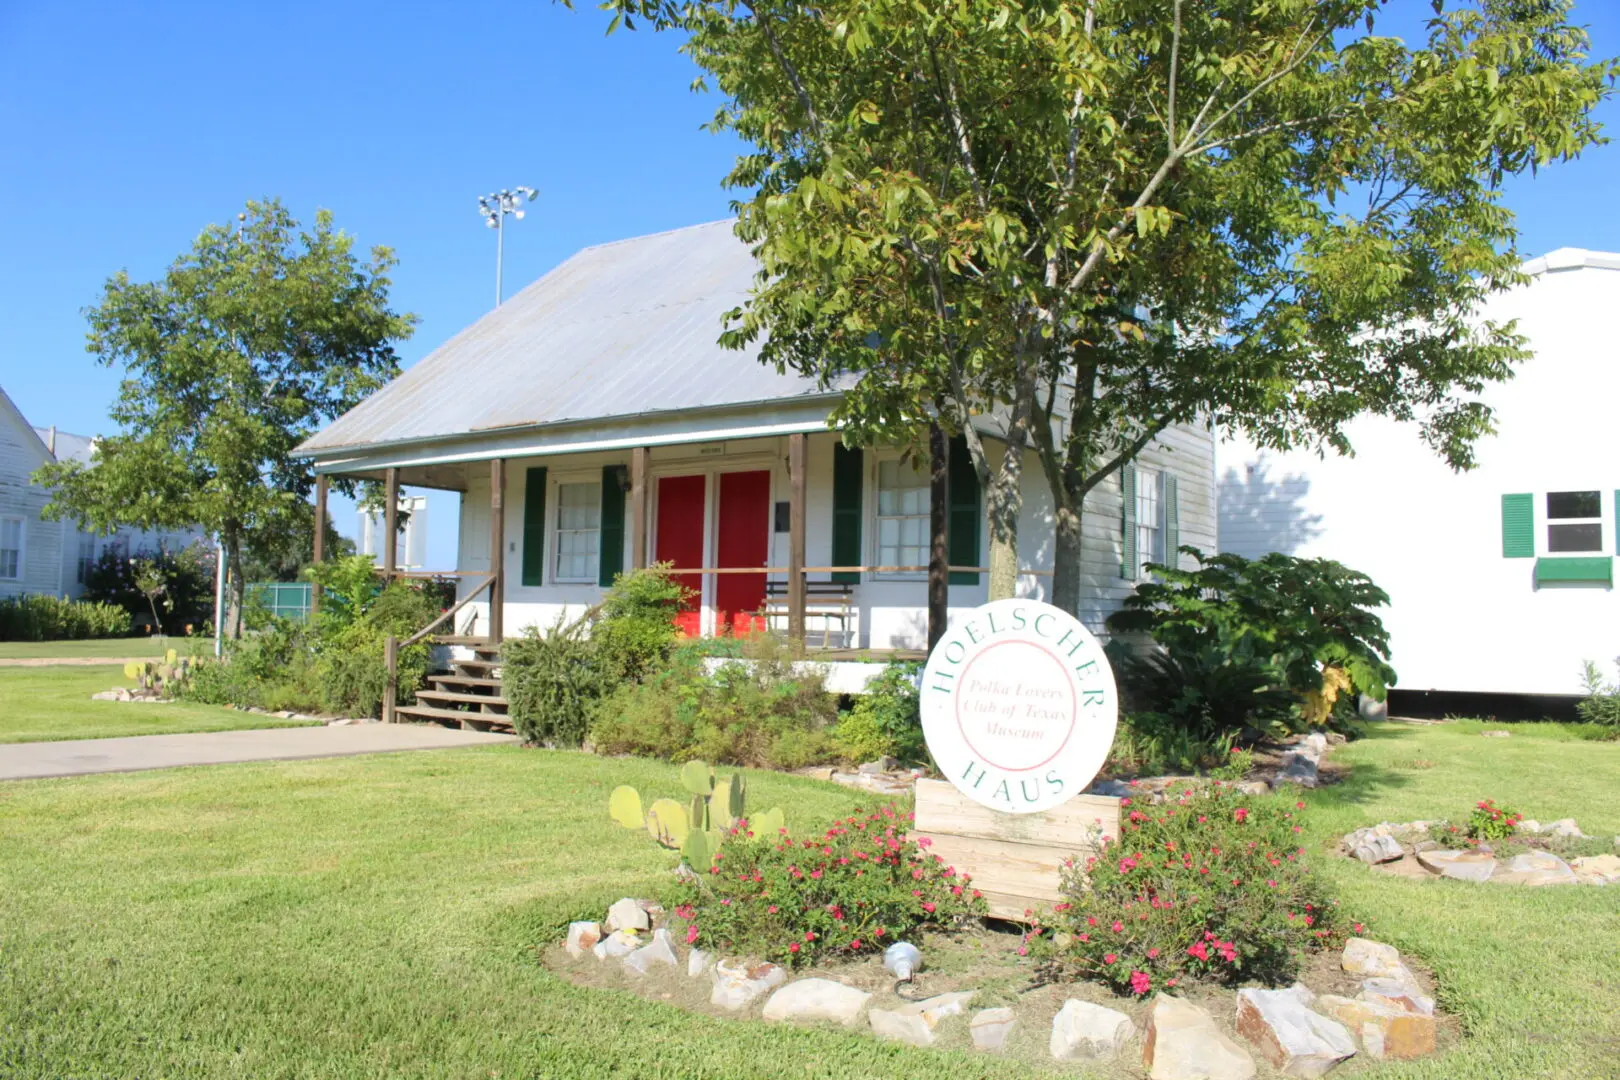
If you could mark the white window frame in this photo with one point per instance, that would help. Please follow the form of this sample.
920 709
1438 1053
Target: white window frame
875 518
1548 522
580 479
22 546
87 556
1150 534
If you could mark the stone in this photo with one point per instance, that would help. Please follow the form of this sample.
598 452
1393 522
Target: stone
697 962
1183 1043
660 953
654 910
1458 865
816 999
1296 1040
917 1022
627 914
1363 956
618 943
1082 1031
1373 848
1400 994
1528 826
737 983
1496 734
884 764
582 937
1385 1032
1597 869
1254 787
1119 789
1298 767
109 695
1316 743
991 1028
1534 868
1565 827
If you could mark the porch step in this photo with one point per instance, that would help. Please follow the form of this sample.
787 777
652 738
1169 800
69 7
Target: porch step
453 717
464 680
487 665
451 696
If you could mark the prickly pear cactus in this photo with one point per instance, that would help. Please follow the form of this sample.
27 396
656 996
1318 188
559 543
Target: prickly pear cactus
700 813
668 823
624 807
133 669
767 823
698 778
696 851
736 794
171 657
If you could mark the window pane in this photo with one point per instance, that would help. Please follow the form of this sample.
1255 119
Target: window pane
1574 504
1575 537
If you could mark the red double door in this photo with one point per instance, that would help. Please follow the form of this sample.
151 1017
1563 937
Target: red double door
742 538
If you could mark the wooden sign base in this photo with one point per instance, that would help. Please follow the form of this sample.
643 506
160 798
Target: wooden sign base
1015 859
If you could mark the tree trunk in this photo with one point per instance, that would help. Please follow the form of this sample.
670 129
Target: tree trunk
1066 555
939 557
1005 501
236 587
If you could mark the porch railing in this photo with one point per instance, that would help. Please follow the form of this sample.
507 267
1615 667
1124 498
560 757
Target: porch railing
392 645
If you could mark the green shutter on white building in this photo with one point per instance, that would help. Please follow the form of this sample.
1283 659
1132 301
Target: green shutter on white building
1127 522
1518 527
1172 522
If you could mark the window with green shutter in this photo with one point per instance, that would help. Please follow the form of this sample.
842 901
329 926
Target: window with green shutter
534 527
1518 527
1127 522
610 554
964 515
848 466
1172 521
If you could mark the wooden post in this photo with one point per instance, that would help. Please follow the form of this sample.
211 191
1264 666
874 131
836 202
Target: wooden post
939 552
391 686
796 470
497 548
390 525
322 481
638 508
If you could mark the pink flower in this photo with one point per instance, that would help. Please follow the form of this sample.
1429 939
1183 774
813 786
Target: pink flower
691 934
1118 927
928 906
1109 958
771 909
855 944
1140 983
1153 954
793 947
923 841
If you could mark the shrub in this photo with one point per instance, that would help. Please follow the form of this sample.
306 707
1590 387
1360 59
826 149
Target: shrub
179 588
1491 822
634 628
36 617
860 886
884 721
1207 692
552 682
1602 702
1213 886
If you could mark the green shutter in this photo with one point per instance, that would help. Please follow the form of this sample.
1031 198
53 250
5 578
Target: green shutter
610 549
963 513
848 475
1127 522
1518 527
534 527
1172 522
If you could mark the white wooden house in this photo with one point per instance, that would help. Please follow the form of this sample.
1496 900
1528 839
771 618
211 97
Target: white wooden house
1501 579
593 423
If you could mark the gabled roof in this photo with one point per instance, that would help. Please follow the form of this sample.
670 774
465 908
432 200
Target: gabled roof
69 447
30 434
1570 258
618 330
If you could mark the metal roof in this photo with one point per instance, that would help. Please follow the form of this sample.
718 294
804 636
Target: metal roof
621 329
69 447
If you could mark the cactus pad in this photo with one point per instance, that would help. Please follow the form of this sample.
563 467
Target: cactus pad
697 777
132 670
667 822
624 807
768 823
699 817
696 851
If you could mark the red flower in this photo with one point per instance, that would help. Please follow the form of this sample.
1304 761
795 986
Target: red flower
793 947
1140 983
1109 958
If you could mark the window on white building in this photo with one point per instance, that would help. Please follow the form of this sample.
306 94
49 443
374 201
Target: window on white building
87 557
1574 522
902 513
1149 516
579 531
11 548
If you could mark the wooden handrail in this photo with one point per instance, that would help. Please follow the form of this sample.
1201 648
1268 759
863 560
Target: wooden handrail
846 570
489 579
392 645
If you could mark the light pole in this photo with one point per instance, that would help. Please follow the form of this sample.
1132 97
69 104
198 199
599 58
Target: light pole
494 207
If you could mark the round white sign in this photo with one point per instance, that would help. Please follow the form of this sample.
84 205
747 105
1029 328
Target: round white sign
1019 706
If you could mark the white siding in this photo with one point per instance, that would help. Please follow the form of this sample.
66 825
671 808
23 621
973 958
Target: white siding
20 454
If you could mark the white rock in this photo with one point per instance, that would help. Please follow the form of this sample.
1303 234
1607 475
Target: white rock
1597 869
618 943
816 999
1458 865
1082 1031
737 983
917 1022
991 1028
1373 848
1298 767
1363 956
627 914
1386 1031
1397 994
1529 826
1183 1043
1316 743
1534 868
697 962
1296 1041
1565 827
582 937
660 953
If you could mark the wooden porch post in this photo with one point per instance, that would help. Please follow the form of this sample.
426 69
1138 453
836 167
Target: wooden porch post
390 525
939 554
796 470
638 508
322 481
497 548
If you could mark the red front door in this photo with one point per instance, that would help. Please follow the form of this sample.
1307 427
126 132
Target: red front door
680 540
744 539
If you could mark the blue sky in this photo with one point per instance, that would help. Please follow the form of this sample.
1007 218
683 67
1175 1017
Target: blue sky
125 128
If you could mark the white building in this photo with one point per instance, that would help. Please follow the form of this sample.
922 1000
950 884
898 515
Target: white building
1501 579
623 433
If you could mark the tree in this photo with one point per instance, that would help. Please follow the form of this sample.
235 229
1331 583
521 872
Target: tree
248 343
1092 219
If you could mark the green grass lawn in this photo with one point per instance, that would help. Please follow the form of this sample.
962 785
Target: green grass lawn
111 648
40 704
377 916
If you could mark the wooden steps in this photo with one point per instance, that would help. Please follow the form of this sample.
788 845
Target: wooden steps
468 695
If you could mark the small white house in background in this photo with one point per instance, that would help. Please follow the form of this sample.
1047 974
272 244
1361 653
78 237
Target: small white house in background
1501 579
413 534
611 364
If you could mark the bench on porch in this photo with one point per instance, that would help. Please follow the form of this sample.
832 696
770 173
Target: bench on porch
829 599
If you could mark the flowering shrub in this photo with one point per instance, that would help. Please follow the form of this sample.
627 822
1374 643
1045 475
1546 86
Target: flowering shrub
857 888
1492 822
1213 886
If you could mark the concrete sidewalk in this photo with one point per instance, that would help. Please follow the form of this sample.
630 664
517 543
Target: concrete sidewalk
77 757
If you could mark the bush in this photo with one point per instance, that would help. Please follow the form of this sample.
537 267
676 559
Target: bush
183 582
552 683
860 886
634 628
36 617
1213 887
884 721
1236 630
1602 702
763 712
1150 743
1491 822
